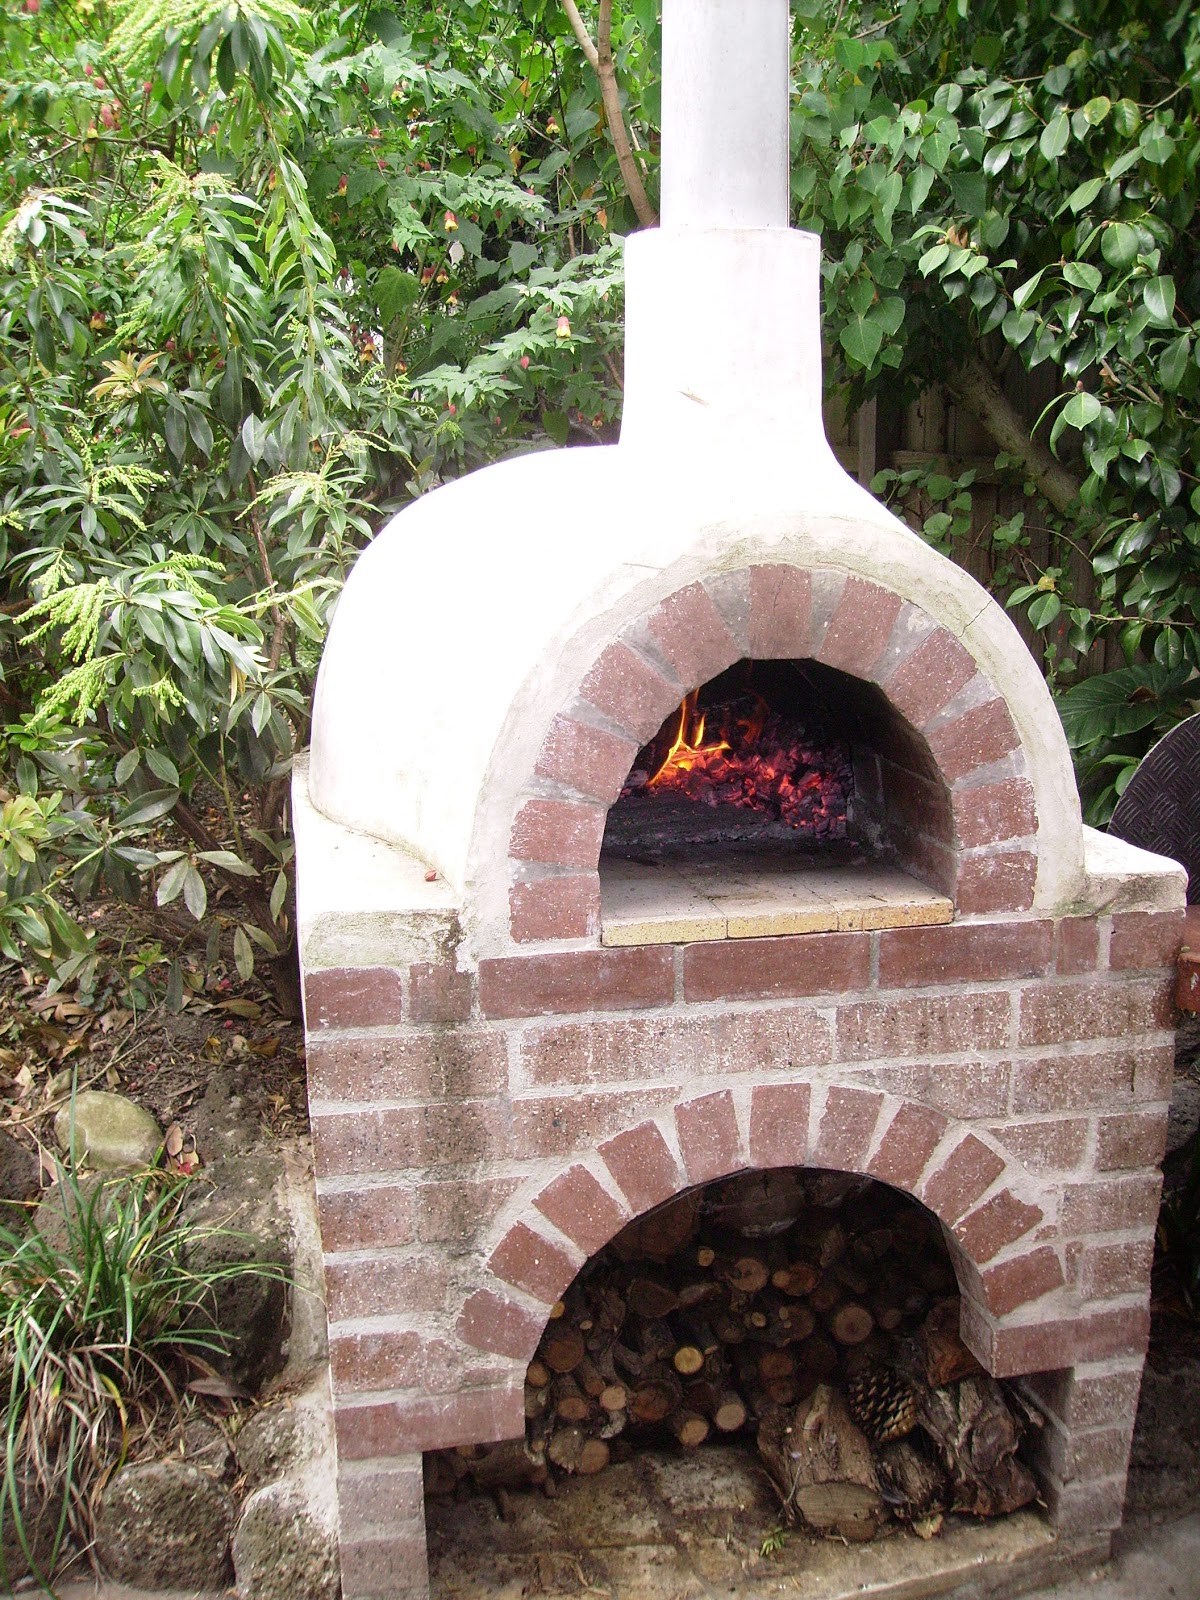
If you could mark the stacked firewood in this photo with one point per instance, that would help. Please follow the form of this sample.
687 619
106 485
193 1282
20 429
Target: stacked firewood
814 1312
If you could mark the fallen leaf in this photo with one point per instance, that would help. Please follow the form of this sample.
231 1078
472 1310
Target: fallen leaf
241 1008
265 1047
928 1527
219 1388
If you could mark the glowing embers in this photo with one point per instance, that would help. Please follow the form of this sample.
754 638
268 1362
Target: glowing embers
731 748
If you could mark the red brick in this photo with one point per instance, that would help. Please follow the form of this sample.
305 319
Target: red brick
390 1359
368 1218
860 627
780 613
990 813
381 1495
708 1137
942 1024
974 739
779 1124
961 1179
438 992
1106 1270
1086 1507
384 1283
997 1223
431 1422
577 980
558 906
963 952
1081 1400
492 1322
626 688
527 1261
929 677
1058 1012
1110 1079
1135 1139
1087 1455
456 1212
801 964
845 1130
693 637
557 1124
963 1089
585 1211
393 1564
1054 1145
1043 1345
1078 945
673 1047
566 833
588 759
407 1137
456 1065
352 997
642 1165
1015 1283
1112 1205
1146 939
997 881
906 1147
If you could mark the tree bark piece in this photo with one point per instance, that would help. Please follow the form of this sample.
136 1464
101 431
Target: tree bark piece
976 386
822 1466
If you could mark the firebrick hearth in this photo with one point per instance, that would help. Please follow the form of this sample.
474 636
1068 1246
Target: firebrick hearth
530 1024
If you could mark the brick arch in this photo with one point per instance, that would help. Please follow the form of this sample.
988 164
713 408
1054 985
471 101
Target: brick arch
770 611
992 1209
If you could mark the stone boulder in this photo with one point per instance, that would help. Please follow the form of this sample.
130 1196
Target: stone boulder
236 1212
107 1132
165 1525
285 1547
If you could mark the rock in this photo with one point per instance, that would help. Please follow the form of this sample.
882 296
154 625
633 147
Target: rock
20 1182
205 1446
284 1548
110 1132
165 1524
271 1443
75 1199
236 1213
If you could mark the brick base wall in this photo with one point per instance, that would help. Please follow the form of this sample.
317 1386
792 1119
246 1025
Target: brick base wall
478 1135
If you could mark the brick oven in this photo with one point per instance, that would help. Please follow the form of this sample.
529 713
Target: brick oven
518 1041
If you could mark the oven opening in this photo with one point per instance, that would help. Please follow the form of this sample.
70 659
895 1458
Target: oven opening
780 797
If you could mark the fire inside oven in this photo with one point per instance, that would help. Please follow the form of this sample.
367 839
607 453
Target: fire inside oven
740 762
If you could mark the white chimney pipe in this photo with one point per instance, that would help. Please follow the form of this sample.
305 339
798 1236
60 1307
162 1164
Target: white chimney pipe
725 113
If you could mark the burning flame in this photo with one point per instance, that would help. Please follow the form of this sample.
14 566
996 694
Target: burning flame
688 748
747 755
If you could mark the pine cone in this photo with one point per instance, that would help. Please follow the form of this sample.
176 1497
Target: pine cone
882 1404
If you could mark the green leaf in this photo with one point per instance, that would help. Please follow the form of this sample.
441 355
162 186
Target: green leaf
1116 703
127 765
1173 363
521 257
1079 199
170 885
243 954
1159 298
1044 609
970 192
1119 244
148 807
195 895
1056 136
557 425
861 339
1082 275
228 862
1081 409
